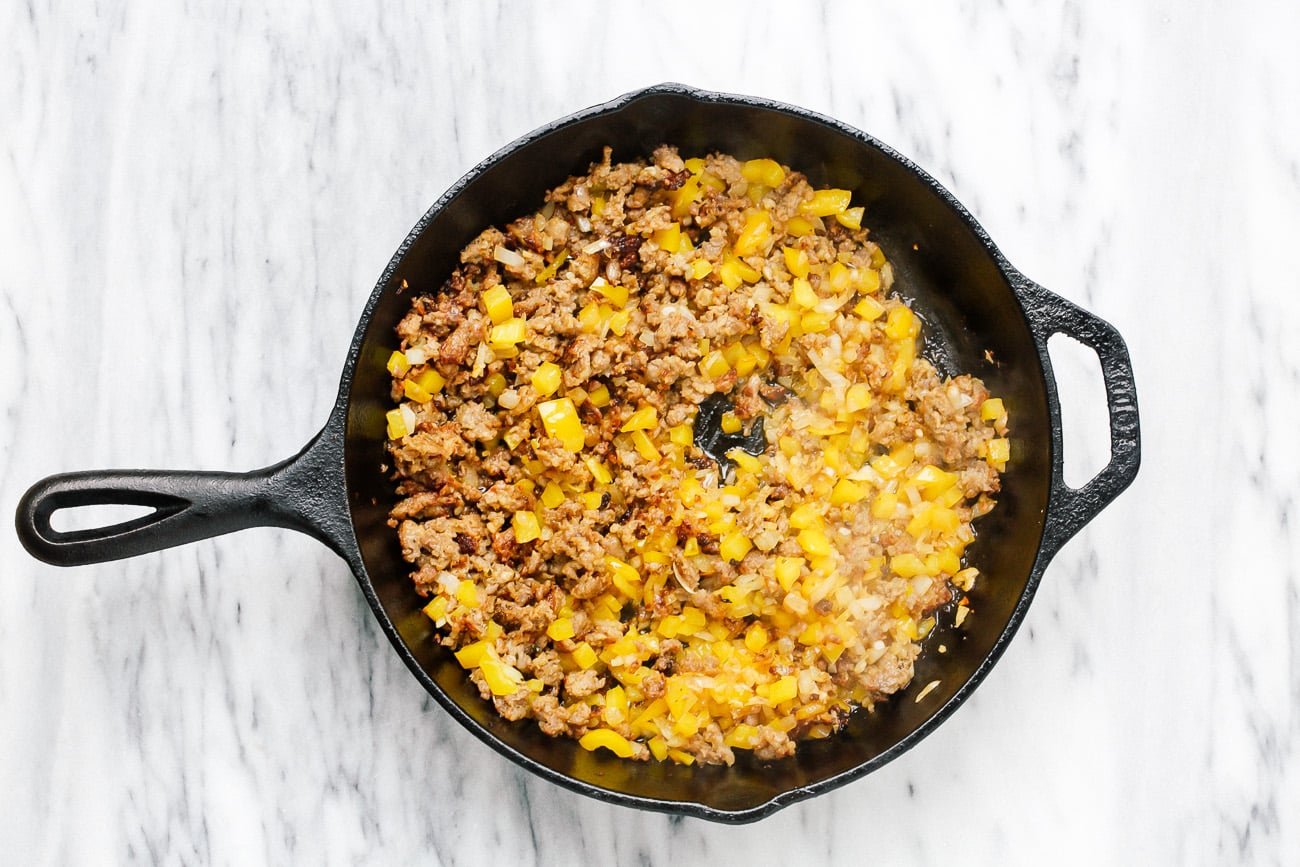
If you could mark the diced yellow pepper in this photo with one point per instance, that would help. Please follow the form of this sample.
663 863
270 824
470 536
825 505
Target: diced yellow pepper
599 396
803 294
397 364
527 527
868 308
412 390
999 451
700 269
498 305
560 628
668 239
645 447
471 655
857 397
658 747
552 495
799 227
560 418
610 740
846 492
730 423
851 218
467 594
992 409
824 203
616 294
508 334
767 172
714 365
796 261
734 546
788 570
599 471
815 321
906 565
431 381
681 434
814 543
619 322
592 500
396 424
546 379
437 609
584 655
553 268
755 234
884 505
783 689
645 418
900 323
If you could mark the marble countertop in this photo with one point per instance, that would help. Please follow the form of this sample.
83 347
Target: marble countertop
195 202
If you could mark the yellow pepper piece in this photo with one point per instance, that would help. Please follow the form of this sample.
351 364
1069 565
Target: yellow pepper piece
734 546
851 218
730 423
799 227
788 570
906 565
901 323
846 492
681 434
992 409
437 609
796 261
803 294
471 655
714 365
553 268
599 471
527 527
767 172
552 496
560 418
546 379
669 239
999 451
756 638
584 655
431 381
814 543
869 308
858 397
824 203
615 294
508 333
619 321
412 390
592 499
501 678
396 424
645 447
700 269
467 594
599 396
782 690
644 418
496 301
397 364
755 234
560 629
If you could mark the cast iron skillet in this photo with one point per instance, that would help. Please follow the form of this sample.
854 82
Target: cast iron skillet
970 298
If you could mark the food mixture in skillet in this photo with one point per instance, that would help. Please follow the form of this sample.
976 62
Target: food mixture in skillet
591 566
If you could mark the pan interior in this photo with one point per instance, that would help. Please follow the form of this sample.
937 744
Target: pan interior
973 324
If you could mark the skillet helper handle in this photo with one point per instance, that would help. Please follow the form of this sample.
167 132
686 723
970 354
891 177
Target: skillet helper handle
302 493
1071 508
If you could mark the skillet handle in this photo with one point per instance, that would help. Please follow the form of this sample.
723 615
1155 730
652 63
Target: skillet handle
303 493
1071 508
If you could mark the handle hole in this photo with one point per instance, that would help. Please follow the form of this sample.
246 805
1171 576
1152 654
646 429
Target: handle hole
72 519
1085 422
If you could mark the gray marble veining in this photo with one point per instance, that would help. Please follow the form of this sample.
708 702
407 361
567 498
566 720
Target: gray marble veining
195 201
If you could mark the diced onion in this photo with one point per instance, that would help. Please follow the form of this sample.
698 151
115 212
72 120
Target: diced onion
506 257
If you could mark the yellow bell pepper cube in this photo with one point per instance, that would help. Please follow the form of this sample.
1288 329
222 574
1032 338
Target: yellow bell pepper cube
755 234
508 334
645 418
824 203
527 527
767 172
397 364
560 419
498 305
546 379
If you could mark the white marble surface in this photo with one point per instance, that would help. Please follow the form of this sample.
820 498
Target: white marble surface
195 201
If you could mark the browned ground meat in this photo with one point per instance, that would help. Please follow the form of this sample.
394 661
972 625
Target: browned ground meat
591 567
